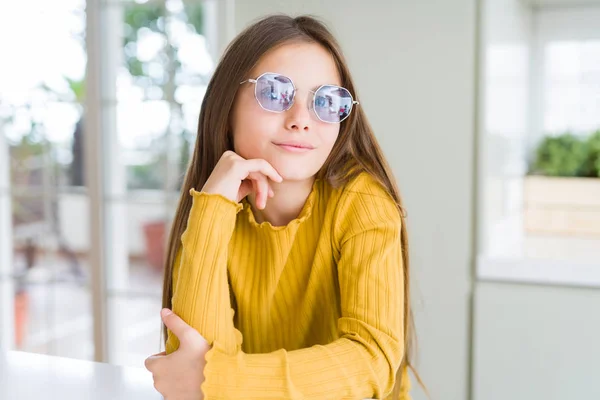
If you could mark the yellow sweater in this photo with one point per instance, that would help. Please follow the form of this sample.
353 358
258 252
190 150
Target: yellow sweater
318 302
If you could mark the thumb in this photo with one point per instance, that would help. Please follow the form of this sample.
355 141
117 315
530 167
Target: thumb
174 323
188 336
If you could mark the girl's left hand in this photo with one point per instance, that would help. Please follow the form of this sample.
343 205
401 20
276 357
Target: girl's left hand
179 375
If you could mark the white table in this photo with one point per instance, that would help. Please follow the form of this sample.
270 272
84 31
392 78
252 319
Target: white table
27 376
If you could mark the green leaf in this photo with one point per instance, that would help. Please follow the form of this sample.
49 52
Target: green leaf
593 144
564 155
195 16
78 89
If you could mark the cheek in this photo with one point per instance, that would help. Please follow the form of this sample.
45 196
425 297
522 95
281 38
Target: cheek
329 137
246 143
243 123
242 127
253 133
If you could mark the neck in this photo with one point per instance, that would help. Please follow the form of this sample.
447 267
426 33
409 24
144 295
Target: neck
286 205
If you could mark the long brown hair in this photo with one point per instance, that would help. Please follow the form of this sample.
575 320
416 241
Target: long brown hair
355 150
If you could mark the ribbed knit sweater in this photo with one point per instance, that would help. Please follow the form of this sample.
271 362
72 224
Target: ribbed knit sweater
310 310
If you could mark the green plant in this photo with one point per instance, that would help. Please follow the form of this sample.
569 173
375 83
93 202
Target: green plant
594 153
564 155
167 70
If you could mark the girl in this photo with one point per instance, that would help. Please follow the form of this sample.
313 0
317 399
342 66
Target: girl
291 260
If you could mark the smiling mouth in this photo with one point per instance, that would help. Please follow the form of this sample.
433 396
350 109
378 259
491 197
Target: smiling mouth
295 144
295 147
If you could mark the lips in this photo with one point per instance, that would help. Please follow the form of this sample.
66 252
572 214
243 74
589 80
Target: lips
298 145
294 147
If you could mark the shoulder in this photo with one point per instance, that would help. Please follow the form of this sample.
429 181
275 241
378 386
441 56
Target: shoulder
365 204
365 184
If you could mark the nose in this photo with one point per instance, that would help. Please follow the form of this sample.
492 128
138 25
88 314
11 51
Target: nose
298 117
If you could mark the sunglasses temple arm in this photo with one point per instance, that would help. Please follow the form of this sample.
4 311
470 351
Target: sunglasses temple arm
248 80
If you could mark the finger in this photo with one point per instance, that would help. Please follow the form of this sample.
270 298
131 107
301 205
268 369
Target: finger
246 188
261 188
162 353
151 362
271 192
175 324
262 166
255 191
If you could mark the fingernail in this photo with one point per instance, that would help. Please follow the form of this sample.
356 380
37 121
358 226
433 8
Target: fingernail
165 312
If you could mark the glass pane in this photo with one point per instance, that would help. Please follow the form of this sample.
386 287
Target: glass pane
53 317
40 114
51 275
139 250
40 94
572 86
539 202
135 326
562 210
166 68
165 71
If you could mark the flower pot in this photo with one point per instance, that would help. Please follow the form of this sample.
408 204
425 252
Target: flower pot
21 317
154 234
562 206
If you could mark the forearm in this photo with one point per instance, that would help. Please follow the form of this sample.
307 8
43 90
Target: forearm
359 365
201 293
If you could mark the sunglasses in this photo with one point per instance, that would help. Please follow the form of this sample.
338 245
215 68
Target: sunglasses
276 93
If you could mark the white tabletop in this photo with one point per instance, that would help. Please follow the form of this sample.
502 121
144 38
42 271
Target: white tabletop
27 376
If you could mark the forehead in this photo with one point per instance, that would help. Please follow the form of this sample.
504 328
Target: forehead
309 65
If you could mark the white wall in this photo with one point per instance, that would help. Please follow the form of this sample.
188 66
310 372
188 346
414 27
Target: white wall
579 23
414 66
561 3
536 343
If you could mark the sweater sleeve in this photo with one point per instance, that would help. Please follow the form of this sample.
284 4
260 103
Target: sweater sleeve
200 288
362 363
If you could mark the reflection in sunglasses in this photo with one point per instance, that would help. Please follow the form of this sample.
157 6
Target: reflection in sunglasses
276 92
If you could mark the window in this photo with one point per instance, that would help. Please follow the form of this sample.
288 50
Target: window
539 188
155 58
571 86
46 299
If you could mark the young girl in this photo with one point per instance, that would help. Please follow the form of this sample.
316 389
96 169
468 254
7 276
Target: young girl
291 261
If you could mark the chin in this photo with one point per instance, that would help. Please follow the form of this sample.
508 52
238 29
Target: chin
294 172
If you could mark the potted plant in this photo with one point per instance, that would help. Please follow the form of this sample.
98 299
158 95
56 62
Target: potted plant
562 191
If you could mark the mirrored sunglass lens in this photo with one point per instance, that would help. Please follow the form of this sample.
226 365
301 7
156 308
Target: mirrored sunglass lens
333 103
275 92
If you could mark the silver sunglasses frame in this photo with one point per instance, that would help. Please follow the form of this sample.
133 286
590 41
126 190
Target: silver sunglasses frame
314 92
